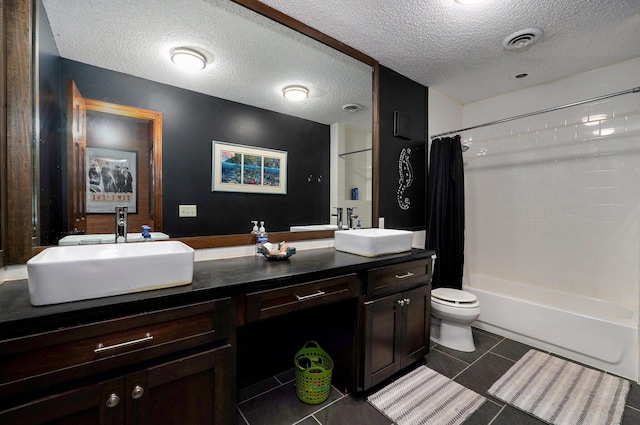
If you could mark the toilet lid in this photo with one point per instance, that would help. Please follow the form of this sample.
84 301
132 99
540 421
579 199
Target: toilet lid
456 297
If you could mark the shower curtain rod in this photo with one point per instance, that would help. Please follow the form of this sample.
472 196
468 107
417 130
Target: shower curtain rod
530 114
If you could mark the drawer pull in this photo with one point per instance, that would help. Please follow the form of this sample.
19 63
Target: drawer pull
407 301
113 400
308 297
404 276
137 392
101 348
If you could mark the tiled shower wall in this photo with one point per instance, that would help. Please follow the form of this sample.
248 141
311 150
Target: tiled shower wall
554 200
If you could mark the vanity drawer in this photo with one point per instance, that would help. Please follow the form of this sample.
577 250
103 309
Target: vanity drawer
273 302
50 358
399 277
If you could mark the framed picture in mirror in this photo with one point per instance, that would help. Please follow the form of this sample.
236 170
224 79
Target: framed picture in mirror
238 168
111 179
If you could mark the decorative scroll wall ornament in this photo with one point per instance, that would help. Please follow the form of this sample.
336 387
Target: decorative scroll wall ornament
406 178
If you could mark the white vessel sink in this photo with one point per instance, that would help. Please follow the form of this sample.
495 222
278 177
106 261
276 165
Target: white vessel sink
373 242
312 227
72 273
108 238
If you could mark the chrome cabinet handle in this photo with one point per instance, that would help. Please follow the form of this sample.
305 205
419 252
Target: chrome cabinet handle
404 276
113 400
101 348
137 392
407 301
401 302
308 297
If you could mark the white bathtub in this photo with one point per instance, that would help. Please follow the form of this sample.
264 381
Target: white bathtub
591 331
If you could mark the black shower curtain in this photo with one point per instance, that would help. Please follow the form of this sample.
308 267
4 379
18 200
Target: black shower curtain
445 229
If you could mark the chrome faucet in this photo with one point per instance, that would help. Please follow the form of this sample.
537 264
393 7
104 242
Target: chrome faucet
351 216
121 223
338 214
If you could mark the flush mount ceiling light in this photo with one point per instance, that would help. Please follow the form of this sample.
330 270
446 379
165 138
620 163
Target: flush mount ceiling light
469 2
295 93
189 59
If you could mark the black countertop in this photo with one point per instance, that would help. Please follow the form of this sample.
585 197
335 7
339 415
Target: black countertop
211 280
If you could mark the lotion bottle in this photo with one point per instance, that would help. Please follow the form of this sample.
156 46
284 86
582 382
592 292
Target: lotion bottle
261 238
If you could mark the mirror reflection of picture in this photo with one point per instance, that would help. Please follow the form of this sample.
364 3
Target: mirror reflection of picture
238 168
111 180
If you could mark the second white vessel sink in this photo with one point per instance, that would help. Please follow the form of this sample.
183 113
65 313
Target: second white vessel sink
72 273
108 238
373 242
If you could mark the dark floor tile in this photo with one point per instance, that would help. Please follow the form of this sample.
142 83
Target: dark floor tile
483 341
308 421
631 416
351 410
633 399
511 349
280 407
484 415
512 416
286 376
482 374
444 363
257 389
239 419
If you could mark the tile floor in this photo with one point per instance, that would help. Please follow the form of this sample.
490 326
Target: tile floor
274 402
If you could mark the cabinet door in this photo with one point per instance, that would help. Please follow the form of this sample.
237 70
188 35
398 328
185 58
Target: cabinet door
99 404
416 323
197 389
382 339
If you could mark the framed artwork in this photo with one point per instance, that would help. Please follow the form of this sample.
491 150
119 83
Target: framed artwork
238 168
111 180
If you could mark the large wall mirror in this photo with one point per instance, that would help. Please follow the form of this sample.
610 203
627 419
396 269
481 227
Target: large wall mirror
119 52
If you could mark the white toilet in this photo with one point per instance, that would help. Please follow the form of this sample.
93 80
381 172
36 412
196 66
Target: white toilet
452 313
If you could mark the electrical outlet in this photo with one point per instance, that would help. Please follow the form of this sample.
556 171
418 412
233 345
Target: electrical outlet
187 211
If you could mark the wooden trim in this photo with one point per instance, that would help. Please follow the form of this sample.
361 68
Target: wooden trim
3 136
18 45
155 118
293 23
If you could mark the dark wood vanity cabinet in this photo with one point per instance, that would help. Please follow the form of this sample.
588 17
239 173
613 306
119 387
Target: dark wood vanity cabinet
396 326
177 371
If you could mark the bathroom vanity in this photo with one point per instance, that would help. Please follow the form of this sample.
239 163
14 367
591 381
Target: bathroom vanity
177 355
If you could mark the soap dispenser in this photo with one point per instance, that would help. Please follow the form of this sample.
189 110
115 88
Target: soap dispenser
261 238
254 231
145 233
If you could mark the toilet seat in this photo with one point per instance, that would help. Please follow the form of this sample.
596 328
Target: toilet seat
454 298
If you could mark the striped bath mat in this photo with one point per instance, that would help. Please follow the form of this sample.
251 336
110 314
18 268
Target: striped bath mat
562 393
423 396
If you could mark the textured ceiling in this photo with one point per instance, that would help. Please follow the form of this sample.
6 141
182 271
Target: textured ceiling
457 49
452 48
251 58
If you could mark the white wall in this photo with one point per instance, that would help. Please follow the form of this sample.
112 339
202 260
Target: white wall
553 200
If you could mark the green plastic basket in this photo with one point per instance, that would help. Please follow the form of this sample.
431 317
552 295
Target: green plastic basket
313 373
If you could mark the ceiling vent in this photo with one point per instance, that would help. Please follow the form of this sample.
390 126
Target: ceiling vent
522 39
351 107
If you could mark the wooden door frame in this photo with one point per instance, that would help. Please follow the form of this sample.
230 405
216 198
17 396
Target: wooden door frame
155 119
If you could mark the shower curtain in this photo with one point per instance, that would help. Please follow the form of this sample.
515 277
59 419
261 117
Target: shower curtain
445 219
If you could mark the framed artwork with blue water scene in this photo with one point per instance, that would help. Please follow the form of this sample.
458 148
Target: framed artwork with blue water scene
240 168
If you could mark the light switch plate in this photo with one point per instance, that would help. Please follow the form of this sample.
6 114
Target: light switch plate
187 211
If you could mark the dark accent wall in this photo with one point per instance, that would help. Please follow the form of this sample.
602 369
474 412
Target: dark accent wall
399 93
191 121
50 143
